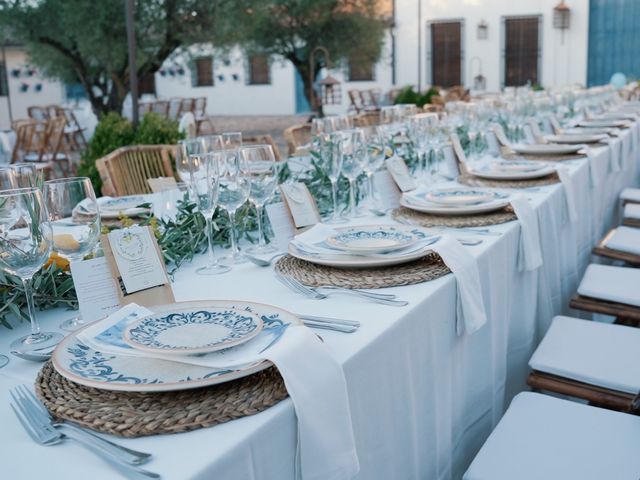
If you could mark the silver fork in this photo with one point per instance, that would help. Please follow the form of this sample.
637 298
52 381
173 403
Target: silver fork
45 434
312 292
125 454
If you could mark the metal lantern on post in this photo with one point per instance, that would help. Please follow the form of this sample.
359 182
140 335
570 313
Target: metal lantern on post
561 18
483 30
330 91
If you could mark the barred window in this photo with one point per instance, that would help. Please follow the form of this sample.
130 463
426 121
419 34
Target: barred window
259 70
446 57
4 90
521 51
202 74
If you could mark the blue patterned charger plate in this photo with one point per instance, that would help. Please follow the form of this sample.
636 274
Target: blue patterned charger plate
373 239
97 368
192 330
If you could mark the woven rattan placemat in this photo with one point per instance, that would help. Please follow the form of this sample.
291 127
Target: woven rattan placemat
419 219
129 414
544 158
473 181
427 268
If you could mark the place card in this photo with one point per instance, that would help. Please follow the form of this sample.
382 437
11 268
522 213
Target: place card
386 189
135 262
500 135
300 203
162 184
281 223
400 173
492 142
96 289
452 168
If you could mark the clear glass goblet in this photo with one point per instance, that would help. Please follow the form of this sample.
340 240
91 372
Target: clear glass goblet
234 192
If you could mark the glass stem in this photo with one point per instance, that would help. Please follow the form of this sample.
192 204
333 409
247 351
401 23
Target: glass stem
212 257
352 197
371 193
35 327
334 197
232 227
259 212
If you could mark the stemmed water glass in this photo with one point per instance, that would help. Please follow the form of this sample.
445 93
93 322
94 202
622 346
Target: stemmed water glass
27 175
353 152
234 192
376 153
232 140
332 162
263 175
8 180
75 221
25 246
205 185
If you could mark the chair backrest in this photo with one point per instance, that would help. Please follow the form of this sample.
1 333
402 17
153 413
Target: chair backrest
27 139
355 97
297 136
174 108
263 140
370 98
367 119
54 137
38 113
186 105
200 107
126 170
160 107
144 108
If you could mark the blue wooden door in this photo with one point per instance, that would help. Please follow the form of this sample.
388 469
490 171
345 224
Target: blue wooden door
614 40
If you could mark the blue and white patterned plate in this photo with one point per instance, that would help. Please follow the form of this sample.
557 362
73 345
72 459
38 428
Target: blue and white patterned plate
192 331
459 196
87 366
372 239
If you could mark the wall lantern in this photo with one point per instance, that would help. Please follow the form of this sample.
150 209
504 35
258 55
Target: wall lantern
483 30
561 18
480 82
330 91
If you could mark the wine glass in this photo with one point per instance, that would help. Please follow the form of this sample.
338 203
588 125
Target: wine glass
263 175
25 246
353 153
376 153
232 140
212 143
205 168
27 175
234 191
8 180
332 161
75 221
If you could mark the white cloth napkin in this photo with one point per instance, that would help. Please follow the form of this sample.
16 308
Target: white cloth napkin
626 239
316 384
529 255
615 153
569 191
470 310
593 173
632 210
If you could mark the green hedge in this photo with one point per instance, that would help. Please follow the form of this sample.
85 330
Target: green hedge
409 95
114 131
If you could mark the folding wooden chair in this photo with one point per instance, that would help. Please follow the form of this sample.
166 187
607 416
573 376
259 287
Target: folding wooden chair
200 113
126 170
174 108
612 247
297 137
161 108
355 101
263 140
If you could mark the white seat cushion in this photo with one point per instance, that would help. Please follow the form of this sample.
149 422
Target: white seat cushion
545 438
601 354
626 239
631 194
632 210
614 284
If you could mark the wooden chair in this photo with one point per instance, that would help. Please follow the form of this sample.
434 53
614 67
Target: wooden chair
202 119
53 149
126 170
298 136
590 361
355 101
38 113
174 108
367 119
29 145
186 105
74 133
263 140
370 99
603 250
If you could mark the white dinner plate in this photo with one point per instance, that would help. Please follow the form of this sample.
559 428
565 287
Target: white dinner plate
545 149
590 131
115 207
491 174
87 366
604 123
523 166
435 209
577 139
345 260
373 239
189 330
459 196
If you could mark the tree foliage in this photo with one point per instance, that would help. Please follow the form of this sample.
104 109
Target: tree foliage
85 41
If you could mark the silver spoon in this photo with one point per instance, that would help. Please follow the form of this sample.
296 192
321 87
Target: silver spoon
261 262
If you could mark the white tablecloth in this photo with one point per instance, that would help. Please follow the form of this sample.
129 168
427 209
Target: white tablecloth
423 399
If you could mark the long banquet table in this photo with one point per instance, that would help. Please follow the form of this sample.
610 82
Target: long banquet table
423 399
